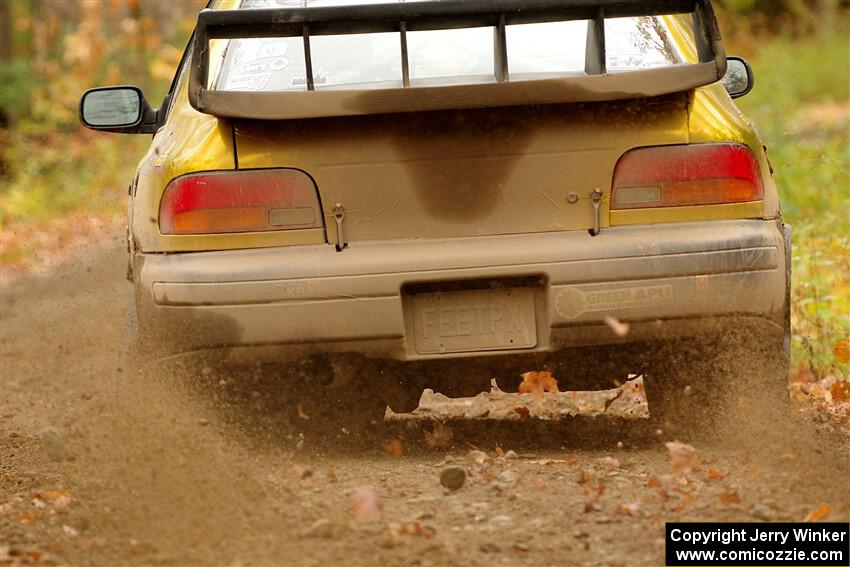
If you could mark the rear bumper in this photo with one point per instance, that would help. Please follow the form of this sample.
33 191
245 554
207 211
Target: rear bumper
667 281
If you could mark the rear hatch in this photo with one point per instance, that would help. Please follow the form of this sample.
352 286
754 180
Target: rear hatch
471 172
459 170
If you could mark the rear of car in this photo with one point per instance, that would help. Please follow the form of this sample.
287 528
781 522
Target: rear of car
495 185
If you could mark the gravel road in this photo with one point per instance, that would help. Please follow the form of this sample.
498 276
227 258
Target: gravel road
199 468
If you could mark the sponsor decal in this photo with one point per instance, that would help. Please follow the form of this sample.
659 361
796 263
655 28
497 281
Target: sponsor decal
248 82
572 301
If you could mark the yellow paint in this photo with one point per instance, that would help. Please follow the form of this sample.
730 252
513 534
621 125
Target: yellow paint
750 210
200 242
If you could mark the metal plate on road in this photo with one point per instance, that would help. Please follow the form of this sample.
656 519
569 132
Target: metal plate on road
477 320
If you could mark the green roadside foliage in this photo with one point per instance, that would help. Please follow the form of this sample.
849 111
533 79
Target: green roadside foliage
800 105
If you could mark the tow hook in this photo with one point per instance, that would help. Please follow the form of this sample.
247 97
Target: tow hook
339 216
596 200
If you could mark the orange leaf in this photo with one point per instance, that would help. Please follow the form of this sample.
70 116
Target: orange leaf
393 448
538 484
415 529
536 383
840 391
592 492
523 412
729 498
715 475
818 513
842 350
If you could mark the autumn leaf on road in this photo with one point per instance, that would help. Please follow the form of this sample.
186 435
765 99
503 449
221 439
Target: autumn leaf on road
394 448
592 492
818 513
730 498
536 383
715 475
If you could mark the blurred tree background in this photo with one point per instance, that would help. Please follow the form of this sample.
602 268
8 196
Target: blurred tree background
60 183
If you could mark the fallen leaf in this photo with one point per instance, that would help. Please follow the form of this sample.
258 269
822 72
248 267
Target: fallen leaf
414 529
842 350
53 495
715 475
330 474
367 504
818 513
499 451
840 391
729 498
69 531
619 329
536 383
662 484
440 436
538 484
592 492
683 457
630 509
301 414
585 476
302 472
394 448
524 413
685 498
27 518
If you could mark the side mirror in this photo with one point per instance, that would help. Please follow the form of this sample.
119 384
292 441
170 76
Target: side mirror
738 79
117 109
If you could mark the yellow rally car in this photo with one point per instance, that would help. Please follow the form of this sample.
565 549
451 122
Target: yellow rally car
396 195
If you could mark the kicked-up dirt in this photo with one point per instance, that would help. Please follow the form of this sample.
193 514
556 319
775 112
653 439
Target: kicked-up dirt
200 467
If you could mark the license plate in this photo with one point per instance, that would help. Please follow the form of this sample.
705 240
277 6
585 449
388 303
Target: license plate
478 320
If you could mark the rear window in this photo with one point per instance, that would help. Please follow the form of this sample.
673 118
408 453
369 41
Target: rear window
435 57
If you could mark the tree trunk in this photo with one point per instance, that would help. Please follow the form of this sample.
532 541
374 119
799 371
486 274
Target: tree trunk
5 31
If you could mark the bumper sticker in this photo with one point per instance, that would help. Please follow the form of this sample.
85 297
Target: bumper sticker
572 302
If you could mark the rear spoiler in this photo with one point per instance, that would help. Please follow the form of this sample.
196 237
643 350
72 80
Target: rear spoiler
595 85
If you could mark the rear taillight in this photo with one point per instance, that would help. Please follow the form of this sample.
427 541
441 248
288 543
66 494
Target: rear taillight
672 176
239 201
